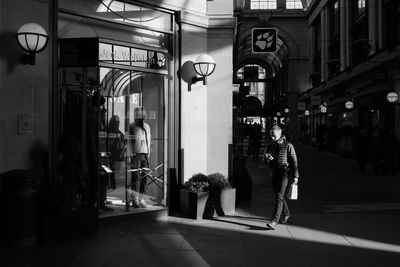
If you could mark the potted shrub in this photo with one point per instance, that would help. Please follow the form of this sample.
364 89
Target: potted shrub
222 197
194 195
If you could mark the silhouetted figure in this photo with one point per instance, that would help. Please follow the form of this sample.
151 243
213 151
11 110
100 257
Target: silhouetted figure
255 140
376 150
321 136
392 152
362 150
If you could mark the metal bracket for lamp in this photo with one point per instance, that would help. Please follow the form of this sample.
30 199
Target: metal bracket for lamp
196 79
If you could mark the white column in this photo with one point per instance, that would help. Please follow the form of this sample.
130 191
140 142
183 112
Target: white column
219 100
194 106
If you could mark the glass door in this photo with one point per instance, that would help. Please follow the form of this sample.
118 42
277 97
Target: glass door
132 143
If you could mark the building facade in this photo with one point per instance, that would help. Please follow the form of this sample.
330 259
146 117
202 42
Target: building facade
354 55
103 60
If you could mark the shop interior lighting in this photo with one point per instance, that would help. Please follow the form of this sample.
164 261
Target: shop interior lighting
32 38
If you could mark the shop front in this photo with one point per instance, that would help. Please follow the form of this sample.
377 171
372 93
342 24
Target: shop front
115 62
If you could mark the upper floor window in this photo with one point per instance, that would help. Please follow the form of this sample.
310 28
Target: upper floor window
334 21
294 4
262 4
360 7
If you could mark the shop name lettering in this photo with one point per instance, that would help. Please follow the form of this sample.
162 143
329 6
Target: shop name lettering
125 55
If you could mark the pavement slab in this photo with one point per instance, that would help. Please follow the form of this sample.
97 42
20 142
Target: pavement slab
342 218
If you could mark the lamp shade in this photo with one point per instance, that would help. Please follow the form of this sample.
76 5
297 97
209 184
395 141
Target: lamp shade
204 65
349 104
392 97
32 37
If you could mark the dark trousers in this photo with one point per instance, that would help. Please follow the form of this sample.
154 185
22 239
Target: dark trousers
139 180
279 184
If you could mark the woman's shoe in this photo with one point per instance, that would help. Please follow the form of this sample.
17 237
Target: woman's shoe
272 225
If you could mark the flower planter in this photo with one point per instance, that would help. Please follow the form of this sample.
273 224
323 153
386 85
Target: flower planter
228 201
192 204
205 204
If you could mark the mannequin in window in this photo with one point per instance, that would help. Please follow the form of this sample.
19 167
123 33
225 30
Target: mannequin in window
116 144
116 147
140 145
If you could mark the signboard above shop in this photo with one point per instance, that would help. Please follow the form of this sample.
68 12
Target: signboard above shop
117 54
93 52
315 100
301 106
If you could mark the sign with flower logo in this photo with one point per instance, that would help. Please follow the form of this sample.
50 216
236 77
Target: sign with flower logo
264 40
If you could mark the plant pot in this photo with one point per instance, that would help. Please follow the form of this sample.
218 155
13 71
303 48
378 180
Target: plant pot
228 201
192 204
206 205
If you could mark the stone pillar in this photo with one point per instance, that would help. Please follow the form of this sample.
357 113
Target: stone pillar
206 110
219 100
379 24
194 105
293 76
311 35
397 108
372 25
344 35
324 44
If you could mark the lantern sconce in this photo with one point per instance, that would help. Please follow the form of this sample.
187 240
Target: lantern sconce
349 105
204 66
393 98
32 38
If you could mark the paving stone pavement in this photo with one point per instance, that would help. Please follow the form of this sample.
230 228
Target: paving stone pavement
342 218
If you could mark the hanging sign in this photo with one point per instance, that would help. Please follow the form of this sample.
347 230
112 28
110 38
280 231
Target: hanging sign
301 106
315 100
264 40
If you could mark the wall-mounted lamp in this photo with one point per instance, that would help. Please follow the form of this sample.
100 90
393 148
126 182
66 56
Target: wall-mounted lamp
204 66
323 107
349 105
392 97
33 39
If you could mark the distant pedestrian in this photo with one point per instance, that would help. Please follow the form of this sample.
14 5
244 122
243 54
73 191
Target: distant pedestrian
281 156
255 140
376 150
392 144
362 150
